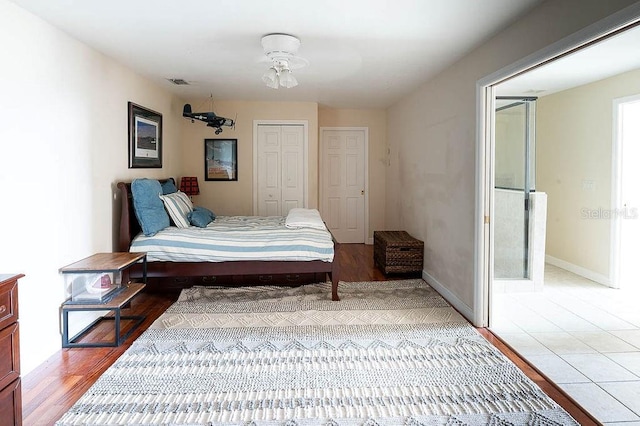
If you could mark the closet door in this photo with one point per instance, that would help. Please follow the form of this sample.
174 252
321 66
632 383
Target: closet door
292 171
280 169
269 166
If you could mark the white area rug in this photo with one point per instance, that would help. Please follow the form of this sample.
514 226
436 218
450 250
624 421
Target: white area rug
389 353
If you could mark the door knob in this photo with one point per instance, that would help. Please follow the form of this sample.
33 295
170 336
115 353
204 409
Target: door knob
362 192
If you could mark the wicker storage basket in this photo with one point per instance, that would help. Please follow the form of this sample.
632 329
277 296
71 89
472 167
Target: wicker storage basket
397 252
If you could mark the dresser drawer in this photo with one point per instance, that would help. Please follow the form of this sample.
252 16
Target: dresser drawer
11 404
8 303
9 355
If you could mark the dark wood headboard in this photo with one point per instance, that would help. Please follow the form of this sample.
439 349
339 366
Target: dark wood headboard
129 226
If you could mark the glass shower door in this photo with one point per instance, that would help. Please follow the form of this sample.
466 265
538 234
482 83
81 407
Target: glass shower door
514 181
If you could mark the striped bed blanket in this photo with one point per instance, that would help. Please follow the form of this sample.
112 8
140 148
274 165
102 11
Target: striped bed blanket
232 238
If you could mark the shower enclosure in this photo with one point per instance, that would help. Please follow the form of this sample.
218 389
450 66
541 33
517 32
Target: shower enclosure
514 186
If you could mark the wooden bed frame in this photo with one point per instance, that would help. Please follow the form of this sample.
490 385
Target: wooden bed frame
129 228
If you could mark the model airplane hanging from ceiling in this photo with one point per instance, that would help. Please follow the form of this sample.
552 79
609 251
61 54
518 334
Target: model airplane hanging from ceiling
210 118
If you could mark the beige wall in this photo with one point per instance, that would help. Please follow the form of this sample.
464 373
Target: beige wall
432 137
574 145
236 198
63 146
376 121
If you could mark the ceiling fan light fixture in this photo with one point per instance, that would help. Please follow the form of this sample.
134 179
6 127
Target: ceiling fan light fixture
270 78
282 50
287 79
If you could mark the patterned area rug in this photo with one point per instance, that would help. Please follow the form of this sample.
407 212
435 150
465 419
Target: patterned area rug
390 353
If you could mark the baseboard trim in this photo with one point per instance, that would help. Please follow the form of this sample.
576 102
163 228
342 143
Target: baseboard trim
462 307
579 270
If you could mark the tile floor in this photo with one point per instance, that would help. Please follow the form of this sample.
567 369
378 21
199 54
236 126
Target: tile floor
583 336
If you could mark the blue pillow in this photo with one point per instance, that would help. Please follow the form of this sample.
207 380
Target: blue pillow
206 211
169 187
199 218
148 206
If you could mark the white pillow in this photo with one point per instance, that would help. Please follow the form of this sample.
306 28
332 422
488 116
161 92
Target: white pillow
178 206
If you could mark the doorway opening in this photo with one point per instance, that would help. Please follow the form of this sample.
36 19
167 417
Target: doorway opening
591 36
569 335
625 214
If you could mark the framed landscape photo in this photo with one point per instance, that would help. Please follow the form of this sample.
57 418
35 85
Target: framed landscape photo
145 137
220 159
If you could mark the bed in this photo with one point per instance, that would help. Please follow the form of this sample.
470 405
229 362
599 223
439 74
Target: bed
182 271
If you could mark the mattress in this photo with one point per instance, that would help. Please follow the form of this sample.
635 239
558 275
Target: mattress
233 238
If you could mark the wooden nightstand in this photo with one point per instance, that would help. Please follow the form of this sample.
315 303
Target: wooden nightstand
114 300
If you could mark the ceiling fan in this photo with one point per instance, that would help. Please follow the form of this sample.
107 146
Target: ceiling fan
282 53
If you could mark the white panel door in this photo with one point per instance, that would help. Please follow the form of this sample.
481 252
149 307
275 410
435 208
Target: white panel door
280 169
269 203
343 184
292 155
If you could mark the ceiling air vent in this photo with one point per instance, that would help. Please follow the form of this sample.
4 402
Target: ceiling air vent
178 81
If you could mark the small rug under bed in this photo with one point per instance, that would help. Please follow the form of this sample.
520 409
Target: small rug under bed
389 353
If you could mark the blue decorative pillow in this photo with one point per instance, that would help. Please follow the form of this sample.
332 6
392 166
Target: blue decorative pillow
169 187
199 218
206 211
148 206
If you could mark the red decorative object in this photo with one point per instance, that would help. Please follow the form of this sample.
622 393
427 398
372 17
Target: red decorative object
189 185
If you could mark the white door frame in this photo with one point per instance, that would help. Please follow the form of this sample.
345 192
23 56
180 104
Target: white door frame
305 136
485 144
367 238
616 192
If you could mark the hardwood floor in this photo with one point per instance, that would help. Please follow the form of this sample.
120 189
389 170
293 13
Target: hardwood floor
52 388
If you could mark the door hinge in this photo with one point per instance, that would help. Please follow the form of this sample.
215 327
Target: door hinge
487 219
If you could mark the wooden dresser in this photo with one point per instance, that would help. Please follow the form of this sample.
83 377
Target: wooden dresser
10 390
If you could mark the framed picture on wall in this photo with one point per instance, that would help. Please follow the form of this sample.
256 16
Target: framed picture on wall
220 159
145 137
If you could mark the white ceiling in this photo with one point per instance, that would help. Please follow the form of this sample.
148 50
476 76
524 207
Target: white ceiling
362 53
